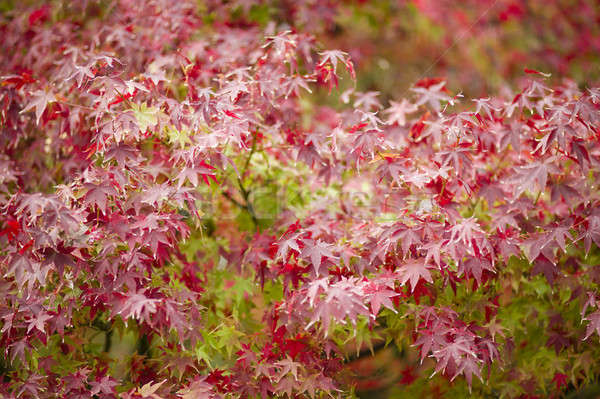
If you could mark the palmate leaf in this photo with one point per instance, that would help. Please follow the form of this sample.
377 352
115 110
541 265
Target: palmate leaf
533 177
457 355
288 366
284 246
433 96
204 171
315 251
149 390
106 385
543 265
145 116
135 305
593 324
123 154
39 322
379 295
335 302
97 195
178 136
591 233
397 112
40 100
157 194
413 271
474 266
198 389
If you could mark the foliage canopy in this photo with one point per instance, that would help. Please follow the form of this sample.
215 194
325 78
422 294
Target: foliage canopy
190 207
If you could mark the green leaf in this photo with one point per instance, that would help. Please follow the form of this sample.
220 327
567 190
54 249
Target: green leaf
146 116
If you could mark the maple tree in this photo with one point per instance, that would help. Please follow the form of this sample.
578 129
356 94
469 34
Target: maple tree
182 217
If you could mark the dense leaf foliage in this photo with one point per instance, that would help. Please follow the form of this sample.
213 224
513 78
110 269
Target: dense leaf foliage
180 217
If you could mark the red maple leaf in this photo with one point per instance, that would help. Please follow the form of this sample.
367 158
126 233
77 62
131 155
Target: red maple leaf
414 271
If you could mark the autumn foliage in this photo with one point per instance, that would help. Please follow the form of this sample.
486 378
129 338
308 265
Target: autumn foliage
191 207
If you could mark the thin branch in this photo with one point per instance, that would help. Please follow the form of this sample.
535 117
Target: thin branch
249 155
247 206
233 200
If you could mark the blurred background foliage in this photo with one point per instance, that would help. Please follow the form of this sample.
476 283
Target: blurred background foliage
478 46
